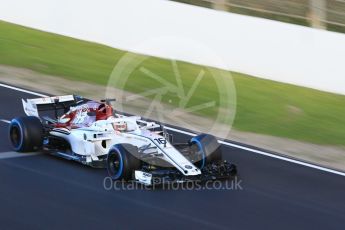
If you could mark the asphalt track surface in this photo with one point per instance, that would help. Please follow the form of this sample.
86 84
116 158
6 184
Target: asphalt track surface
44 192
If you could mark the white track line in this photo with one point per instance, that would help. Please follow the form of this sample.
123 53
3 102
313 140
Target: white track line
6 121
222 142
23 90
8 155
283 158
267 154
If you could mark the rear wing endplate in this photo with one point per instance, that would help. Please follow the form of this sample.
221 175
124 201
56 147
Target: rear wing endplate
33 106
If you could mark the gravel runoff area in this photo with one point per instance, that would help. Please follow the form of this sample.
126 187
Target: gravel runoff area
328 156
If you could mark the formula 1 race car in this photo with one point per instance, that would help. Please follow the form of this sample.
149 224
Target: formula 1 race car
91 133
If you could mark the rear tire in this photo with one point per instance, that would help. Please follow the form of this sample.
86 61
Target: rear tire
122 161
207 149
26 134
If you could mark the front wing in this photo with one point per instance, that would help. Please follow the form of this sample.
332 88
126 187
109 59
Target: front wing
213 171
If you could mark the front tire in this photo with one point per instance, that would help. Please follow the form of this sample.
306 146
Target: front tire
205 149
122 161
26 134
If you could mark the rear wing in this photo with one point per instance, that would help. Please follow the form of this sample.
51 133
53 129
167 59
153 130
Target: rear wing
33 106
